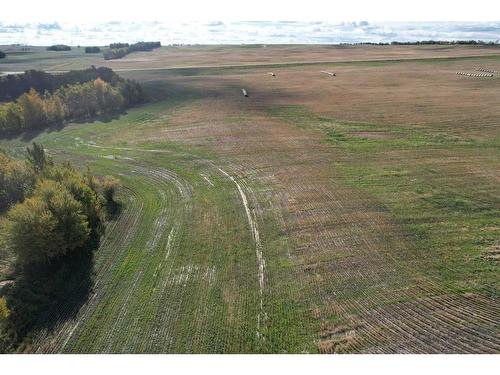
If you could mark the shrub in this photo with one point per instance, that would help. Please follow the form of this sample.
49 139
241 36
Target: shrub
2 55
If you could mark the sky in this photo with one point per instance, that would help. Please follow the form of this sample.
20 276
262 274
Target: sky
99 22
84 11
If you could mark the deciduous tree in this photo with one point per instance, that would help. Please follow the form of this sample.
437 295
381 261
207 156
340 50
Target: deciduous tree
46 225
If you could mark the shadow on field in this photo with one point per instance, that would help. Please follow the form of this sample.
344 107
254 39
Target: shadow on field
31 134
27 136
165 89
113 209
180 90
45 295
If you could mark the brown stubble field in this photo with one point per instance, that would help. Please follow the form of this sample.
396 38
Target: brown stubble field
370 285
216 56
372 197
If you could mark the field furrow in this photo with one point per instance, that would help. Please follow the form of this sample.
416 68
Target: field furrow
347 214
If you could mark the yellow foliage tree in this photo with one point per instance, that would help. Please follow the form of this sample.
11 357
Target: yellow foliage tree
33 108
4 310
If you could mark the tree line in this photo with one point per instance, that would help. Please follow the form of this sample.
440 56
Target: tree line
81 101
119 50
92 50
59 47
426 42
55 216
447 42
14 85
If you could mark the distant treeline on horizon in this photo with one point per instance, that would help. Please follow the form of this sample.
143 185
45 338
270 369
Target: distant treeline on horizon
115 50
428 42
148 46
118 50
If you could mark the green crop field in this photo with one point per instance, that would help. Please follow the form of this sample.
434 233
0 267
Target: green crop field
355 213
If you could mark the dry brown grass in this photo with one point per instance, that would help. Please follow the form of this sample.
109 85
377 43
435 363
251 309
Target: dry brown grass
345 244
366 287
217 56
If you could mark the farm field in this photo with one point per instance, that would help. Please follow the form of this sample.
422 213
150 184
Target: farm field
349 214
18 60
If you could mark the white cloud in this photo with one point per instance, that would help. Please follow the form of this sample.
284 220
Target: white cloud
243 32
233 10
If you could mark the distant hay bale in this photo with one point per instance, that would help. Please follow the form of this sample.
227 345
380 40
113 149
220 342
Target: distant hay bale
332 74
272 74
489 71
477 75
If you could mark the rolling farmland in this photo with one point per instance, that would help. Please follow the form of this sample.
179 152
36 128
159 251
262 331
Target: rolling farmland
355 213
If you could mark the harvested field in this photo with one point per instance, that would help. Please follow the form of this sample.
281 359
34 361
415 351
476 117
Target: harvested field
349 215
221 56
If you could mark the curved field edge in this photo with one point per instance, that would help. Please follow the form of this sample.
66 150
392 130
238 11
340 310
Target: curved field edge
344 265
177 271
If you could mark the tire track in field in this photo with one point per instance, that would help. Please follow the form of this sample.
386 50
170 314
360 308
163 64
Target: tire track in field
352 265
108 322
261 263
178 192
368 277
117 237
356 266
111 253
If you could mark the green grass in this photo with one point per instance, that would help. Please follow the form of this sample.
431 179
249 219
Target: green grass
178 273
449 213
139 290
